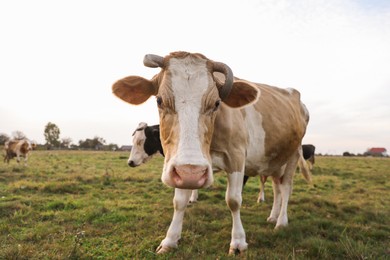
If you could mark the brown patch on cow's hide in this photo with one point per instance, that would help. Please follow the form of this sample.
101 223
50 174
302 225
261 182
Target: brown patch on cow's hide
24 148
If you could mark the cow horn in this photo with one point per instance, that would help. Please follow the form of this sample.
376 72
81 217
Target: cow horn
224 88
153 61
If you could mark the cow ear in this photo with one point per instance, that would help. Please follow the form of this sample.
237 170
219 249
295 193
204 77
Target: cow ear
134 89
242 94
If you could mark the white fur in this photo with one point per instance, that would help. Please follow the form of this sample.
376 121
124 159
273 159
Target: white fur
189 84
256 144
137 154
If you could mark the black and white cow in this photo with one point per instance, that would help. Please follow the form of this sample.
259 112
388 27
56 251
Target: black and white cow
146 143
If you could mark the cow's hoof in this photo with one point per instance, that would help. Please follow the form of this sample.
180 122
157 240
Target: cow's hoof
236 251
163 249
271 220
280 226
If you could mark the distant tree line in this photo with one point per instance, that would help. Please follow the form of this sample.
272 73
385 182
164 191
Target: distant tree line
365 154
53 141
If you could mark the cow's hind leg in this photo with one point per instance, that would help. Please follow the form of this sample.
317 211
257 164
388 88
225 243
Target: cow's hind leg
311 160
261 197
277 200
180 202
234 199
283 186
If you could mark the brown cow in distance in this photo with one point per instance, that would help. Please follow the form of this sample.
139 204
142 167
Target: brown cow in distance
17 148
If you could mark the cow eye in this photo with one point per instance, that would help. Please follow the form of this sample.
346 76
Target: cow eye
217 103
159 101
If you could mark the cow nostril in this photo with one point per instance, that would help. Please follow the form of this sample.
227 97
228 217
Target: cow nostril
131 164
176 176
189 176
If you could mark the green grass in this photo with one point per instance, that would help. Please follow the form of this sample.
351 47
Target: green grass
91 205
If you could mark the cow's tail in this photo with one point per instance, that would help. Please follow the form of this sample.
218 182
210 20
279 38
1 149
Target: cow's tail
304 167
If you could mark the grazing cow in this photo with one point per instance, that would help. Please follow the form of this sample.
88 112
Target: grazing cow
211 121
146 143
17 148
308 153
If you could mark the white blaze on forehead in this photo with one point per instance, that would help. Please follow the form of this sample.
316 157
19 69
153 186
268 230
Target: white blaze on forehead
189 84
137 153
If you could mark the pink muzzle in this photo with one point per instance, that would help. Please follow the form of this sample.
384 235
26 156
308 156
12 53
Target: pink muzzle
189 176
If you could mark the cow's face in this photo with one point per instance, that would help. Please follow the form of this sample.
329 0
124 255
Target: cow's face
188 98
138 155
188 101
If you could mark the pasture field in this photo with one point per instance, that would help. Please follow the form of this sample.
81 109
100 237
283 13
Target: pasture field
91 205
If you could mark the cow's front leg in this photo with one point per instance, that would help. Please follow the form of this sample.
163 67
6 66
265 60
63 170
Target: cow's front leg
180 201
233 199
25 160
194 196
18 158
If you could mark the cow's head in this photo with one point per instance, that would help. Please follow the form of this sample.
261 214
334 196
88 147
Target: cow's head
146 143
138 154
188 91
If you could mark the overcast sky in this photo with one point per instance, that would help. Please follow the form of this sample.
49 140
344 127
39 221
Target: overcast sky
59 59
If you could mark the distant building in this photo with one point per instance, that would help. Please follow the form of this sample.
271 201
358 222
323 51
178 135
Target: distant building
125 148
376 151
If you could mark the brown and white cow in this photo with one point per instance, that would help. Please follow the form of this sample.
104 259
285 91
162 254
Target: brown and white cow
211 121
17 148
